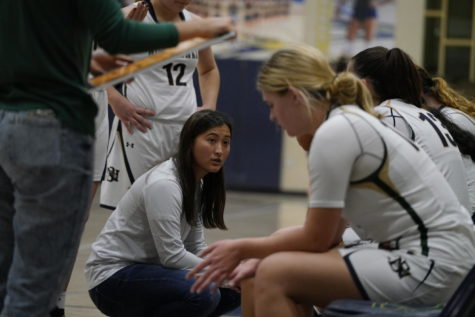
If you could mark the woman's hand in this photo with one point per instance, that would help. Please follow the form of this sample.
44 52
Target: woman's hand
207 27
136 11
245 269
220 260
131 116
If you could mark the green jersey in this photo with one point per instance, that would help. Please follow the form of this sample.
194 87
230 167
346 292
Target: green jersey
45 50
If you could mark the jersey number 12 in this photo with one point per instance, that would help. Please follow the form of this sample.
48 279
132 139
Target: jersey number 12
177 68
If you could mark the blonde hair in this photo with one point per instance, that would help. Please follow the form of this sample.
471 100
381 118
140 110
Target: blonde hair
450 98
306 69
438 88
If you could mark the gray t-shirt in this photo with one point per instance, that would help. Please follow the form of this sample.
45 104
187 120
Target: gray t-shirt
148 226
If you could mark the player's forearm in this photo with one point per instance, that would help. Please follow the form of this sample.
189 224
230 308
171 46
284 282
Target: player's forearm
207 28
209 88
292 240
114 98
339 233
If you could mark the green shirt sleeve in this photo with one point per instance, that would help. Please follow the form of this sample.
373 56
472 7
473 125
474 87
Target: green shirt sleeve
116 34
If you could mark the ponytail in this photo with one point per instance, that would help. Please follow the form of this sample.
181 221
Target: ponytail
450 98
437 88
392 73
402 78
347 89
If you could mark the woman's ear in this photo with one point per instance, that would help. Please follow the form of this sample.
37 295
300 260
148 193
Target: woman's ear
296 95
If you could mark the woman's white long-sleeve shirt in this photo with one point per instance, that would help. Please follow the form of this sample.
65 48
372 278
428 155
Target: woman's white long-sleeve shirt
148 226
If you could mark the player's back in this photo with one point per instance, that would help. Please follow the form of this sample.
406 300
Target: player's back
425 129
461 119
390 190
467 123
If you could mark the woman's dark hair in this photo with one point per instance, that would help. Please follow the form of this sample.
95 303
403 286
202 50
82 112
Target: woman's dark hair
392 73
464 139
437 88
213 193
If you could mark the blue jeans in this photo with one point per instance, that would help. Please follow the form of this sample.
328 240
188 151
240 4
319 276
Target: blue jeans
147 290
45 186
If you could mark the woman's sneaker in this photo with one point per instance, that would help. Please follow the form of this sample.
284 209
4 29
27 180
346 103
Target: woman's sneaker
57 312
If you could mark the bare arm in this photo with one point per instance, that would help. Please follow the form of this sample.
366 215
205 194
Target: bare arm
207 28
209 79
208 76
322 231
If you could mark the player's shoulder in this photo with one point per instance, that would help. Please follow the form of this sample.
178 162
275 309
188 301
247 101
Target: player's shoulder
452 112
394 104
340 122
164 175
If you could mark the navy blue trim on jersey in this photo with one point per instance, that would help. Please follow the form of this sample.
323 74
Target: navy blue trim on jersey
392 115
355 277
124 153
374 178
432 264
107 207
412 213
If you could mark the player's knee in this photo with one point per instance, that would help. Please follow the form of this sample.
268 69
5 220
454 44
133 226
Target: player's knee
272 271
204 303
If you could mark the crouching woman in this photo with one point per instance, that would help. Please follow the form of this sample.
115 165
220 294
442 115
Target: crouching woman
138 262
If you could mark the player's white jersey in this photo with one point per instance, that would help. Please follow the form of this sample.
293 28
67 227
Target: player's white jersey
460 118
425 129
167 90
467 123
170 93
390 190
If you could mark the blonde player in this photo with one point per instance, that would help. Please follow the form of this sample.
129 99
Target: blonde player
169 92
363 172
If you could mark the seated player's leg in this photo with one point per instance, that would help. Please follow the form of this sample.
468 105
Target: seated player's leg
290 283
247 297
